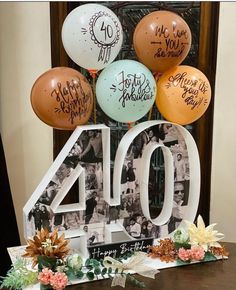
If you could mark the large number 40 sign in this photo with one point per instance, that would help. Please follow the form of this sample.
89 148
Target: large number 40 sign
122 211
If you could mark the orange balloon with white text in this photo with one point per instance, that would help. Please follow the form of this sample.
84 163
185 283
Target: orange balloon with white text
183 94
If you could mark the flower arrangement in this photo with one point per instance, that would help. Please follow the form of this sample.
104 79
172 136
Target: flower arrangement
57 267
196 243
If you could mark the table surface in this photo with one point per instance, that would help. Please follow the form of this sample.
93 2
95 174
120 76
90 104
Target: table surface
217 275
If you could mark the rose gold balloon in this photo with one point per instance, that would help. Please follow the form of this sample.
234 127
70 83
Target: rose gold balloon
162 40
183 94
62 98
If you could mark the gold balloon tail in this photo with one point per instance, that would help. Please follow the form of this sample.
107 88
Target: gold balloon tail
150 113
130 125
93 74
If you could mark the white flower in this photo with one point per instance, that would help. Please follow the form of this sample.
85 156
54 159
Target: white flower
75 262
181 236
203 236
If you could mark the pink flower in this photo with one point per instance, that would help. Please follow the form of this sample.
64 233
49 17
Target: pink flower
45 276
184 255
59 281
197 253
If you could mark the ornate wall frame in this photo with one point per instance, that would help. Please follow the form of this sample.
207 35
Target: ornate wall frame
207 53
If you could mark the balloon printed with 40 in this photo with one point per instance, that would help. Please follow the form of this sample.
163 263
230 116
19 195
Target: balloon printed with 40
92 36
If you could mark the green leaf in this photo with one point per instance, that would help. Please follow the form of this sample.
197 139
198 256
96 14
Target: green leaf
45 287
104 271
79 275
88 266
109 270
135 281
97 271
142 285
116 270
48 262
182 245
209 257
70 274
94 262
181 263
87 263
90 275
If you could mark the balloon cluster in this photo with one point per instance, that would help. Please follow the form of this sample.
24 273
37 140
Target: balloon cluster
126 90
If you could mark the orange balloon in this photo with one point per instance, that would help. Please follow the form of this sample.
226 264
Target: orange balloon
183 94
162 40
62 98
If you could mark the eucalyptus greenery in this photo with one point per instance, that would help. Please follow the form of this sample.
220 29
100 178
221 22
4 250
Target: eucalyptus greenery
94 268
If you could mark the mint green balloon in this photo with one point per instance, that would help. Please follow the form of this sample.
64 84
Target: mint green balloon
126 90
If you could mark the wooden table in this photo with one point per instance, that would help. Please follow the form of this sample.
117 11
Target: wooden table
217 275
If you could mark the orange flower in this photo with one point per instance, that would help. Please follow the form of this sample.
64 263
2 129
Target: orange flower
165 251
46 244
219 251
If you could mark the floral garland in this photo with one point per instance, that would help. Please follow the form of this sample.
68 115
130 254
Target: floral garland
56 267
196 243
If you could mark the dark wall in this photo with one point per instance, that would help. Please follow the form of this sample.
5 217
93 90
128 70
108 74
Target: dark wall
9 235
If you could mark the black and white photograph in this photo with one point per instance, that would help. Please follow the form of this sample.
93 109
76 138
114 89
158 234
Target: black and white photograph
90 146
93 176
90 177
130 177
180 201
181 192
138 227
58 222
96 208
39 217
72 220
94 233
155 134
55 184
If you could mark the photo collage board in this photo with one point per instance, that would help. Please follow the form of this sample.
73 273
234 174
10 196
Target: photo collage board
127 215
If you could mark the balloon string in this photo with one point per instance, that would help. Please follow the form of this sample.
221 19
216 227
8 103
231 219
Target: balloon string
150 114
130 125
156 76
93 74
